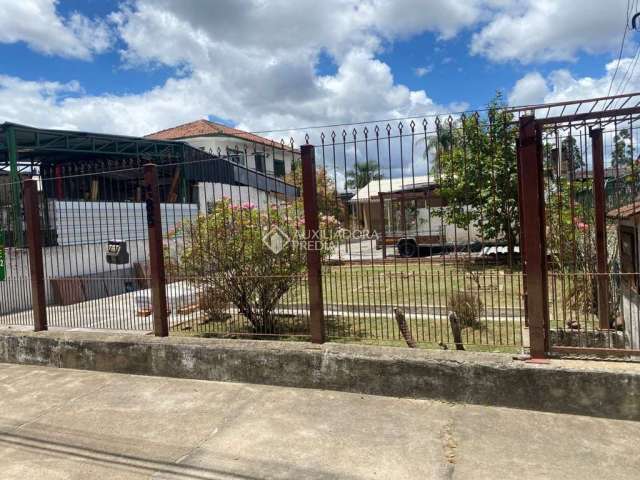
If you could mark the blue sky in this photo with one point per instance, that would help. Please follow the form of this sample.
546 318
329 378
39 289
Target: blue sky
140 65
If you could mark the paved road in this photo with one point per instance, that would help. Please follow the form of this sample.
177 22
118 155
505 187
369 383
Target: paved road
67 424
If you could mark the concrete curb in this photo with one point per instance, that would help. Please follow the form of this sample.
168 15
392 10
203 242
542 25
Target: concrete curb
606 389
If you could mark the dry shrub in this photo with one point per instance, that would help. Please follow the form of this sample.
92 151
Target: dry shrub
467 308
215 304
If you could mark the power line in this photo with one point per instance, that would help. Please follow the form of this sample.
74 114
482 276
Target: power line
628 75
624 36
630 71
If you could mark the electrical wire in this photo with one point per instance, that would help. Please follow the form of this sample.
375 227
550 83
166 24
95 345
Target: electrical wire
624 36
629 73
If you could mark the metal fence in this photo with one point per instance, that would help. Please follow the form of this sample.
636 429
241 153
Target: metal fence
418 260
15 286
505 229
579 188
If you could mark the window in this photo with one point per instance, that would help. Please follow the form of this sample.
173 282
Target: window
260 163
235 156
278 168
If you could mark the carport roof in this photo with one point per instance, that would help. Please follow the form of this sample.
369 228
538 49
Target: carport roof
32 140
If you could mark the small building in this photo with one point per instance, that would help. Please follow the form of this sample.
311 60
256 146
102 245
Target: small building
407 213
243 148
628 218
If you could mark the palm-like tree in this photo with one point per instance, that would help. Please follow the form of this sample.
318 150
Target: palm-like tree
362 174
436 144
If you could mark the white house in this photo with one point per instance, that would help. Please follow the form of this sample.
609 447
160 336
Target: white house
247 149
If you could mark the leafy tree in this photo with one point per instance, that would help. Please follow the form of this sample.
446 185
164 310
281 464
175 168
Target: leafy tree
626 184
329 203
362 174
571 154
622 151
478 175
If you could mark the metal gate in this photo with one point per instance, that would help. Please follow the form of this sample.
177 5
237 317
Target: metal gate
579 185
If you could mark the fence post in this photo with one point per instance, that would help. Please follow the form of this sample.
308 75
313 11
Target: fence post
34 243
531 190
312 234
383 226
601 227
522 234
156 254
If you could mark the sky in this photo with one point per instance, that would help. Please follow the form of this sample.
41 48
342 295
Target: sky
137 66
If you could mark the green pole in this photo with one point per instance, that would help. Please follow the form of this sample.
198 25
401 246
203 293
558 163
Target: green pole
15 186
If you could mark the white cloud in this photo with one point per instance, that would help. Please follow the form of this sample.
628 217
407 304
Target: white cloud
37 23
363 88
403 18
256 62
530 89
422 71
551 30
253 63
560 85
159 29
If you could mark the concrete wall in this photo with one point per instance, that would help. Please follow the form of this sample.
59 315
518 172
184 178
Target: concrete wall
84 229
568 386
208 193
69 261
80 223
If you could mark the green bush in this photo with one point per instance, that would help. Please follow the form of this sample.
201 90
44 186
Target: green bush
225 252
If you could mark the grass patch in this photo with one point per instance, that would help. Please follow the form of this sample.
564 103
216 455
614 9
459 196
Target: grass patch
429 332
414 284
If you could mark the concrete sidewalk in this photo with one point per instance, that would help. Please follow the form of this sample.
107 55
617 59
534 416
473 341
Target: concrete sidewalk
69 424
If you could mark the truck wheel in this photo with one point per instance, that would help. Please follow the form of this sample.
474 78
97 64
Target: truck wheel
407 249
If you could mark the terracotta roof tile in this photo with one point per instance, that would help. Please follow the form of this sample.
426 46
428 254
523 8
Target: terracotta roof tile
205 127
625 211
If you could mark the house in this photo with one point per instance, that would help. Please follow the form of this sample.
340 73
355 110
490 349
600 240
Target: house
406 213
253 151
628 220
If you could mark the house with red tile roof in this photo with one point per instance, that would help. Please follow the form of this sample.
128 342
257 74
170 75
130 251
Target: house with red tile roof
244 148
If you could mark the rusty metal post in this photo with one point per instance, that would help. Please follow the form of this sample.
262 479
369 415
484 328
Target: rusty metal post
34 243
522 235
383 227
601 227
156 254
312 235
534 246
